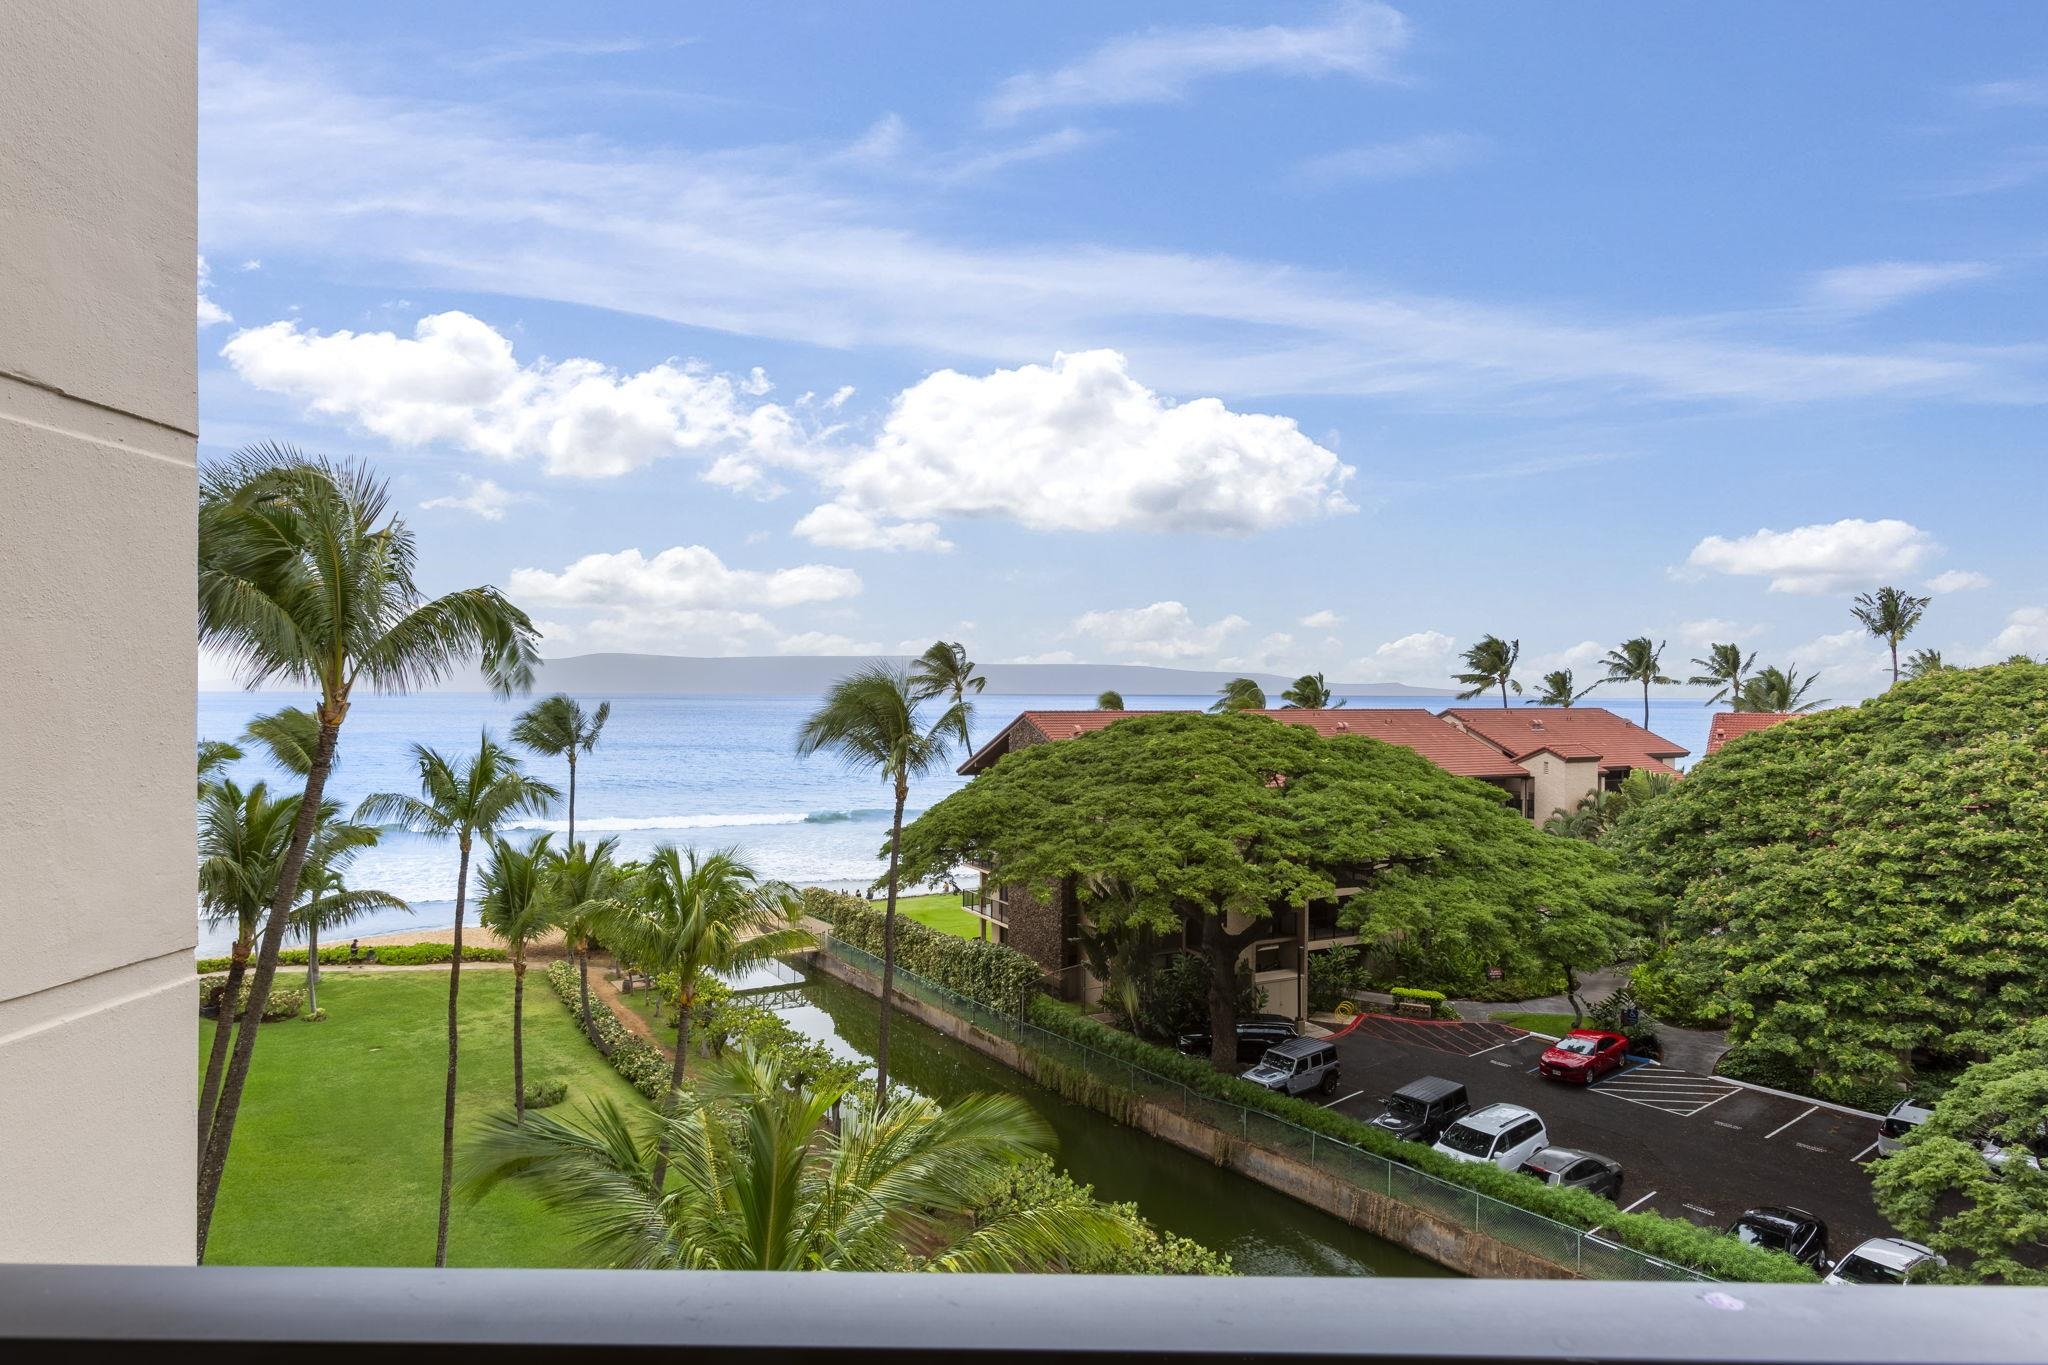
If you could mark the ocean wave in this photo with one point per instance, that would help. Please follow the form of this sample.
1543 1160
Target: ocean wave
834 817
731 820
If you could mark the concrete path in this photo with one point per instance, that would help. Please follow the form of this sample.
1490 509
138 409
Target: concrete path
1694 1050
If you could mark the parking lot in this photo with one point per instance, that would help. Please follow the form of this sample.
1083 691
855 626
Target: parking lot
1691 1146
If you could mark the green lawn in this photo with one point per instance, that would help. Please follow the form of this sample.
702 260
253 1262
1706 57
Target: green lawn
337 1155
1556 1025
941 912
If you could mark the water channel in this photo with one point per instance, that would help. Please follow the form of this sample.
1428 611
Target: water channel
1265 1232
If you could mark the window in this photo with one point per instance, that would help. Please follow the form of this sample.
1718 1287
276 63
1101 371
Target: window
1266 957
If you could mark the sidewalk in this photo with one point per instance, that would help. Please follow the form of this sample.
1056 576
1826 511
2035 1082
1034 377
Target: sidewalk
1694 1050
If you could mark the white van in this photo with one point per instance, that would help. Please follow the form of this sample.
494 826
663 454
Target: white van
1504 1134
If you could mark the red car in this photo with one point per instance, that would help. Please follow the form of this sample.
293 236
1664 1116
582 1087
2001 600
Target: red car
1584 1055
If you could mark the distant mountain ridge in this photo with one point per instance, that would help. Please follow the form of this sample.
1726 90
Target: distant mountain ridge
590 673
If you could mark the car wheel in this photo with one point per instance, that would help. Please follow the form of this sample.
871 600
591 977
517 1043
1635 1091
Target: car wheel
1329 1082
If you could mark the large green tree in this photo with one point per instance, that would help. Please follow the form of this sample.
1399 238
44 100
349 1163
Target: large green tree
305 578
558 727
1870 881
1111 700
1219 823
1989 1221
459 799
1490 664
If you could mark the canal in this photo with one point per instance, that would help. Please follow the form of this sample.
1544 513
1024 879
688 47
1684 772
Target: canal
1265 1232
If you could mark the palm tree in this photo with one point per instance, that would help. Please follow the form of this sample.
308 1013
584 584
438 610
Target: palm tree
516 902
556 726
242 839
1638 661
591 889
765 1180
871 720
701 916
1309 693
1239 694
303 579
1722 668
1588 820
327 900
1782 692
214 757
1890 615
945 669
459 800
1490 664
1111 700
1558 690
1924 662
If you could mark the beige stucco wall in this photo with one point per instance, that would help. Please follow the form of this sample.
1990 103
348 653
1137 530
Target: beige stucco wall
1560 785
98 414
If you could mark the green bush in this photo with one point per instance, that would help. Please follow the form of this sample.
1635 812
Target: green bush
995 975
383 955
1669 1239
282 1004
545 1094
821 904
632 1056
1156 1252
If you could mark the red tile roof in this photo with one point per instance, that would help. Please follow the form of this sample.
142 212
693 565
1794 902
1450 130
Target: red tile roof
1735 724
1588 730
1412 727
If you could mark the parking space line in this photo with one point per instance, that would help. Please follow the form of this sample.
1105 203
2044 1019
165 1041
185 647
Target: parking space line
1864 1153
1811 1148
1783 1126
1723 1123
1716 1100
1640 1202
1707 1213
1352 1096
1503 1043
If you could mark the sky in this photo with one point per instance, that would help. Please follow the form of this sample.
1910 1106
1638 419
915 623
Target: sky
1290 337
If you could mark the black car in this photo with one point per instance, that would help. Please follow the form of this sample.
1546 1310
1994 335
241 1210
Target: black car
1420 1110
1795 1232
1254 1036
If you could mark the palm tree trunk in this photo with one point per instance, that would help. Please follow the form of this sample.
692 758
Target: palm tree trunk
1503 691
1646 703
572 798
675 1085
213 1164
448 1096
889 947
1895 662
518 1041
313 959
223 1031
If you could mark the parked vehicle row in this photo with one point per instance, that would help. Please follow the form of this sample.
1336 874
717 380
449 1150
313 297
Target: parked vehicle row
1908 1114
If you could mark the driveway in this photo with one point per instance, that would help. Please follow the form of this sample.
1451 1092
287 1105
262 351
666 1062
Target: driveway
1691 1145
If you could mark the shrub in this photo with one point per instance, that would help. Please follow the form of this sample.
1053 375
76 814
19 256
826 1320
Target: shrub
632 1056
1439 1004
282 1004
383 955
991 973
1174 998
1682 1243
1156 1252
545 1094
821 904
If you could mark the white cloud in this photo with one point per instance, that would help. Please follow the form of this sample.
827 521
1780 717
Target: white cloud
1858 289
683 577
1051 656
1322 620
1393 160
1828 557
2026 632
1847 663
1360 40
209 311
485 498
1426 658
1081 446
1958 580
455 381
1273 653
2021 92
1582 658
252 264
1164 632
849 528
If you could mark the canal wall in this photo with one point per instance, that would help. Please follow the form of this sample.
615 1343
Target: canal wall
1447 1244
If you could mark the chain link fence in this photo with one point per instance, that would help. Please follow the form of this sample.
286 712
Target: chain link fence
1585 1253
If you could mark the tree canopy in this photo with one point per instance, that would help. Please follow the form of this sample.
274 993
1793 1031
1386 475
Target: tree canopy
1863 882
1158 820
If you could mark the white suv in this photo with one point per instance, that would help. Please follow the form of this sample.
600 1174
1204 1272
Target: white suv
1504 1134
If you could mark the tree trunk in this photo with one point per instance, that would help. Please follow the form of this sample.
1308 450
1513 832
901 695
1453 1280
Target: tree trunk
223 1032
572 798
1222 955
1646 703
214 1163
1571 994
448 1095
313 959
675 1086
1503 692
518 1036
889 947
1895 663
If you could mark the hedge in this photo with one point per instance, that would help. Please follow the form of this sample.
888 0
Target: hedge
381 955
991 973
545 1094
1669 1239
282 1004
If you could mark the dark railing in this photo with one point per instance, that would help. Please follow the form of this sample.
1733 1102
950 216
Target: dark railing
460 1316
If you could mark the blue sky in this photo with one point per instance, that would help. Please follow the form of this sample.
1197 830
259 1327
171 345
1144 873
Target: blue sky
1322 336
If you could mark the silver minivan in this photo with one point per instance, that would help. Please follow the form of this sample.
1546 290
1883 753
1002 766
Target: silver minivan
1296 1066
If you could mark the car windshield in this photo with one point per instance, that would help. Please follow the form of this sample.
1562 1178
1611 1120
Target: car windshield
1862 1270
1759 1234
1582 1046
1460 1137
1404 1107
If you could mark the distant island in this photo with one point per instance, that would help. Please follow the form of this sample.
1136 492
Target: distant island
602 673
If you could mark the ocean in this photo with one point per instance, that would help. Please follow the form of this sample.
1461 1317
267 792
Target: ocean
709 771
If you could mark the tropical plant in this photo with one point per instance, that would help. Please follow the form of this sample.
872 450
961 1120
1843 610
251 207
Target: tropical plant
591 890
1110 700
459 799
1923 662
515 901
1490 664
327 901
1722 668
762 1179
871 720
1782 691
242 838
290 737
695 917
303 579
557 728
1239 694
214 757
1557 689
1587 820
944 670
1890 615
1309 693
1638 661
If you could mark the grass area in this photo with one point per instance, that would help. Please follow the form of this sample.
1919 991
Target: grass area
1556 1025
337 1156
941 912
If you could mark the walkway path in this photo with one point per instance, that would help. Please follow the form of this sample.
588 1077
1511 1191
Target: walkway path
1694 1050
